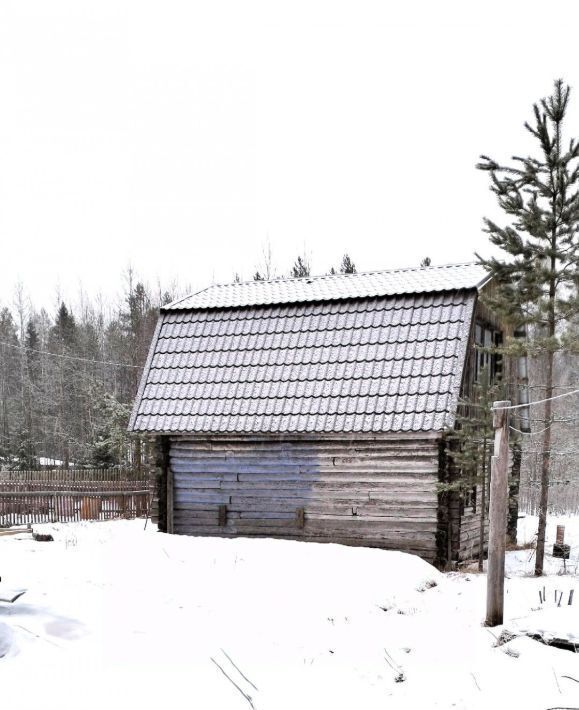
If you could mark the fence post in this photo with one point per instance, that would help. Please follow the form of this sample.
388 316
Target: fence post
498 511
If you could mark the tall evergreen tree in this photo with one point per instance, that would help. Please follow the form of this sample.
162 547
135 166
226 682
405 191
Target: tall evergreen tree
110 437
9 386
62 341
64 330
301 268
30 379
347 266
540 263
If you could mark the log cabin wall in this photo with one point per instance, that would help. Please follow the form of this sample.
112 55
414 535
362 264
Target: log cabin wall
160 473
466 518
378 491
470 535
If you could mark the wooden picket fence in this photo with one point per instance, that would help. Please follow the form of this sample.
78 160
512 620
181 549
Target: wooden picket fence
70 495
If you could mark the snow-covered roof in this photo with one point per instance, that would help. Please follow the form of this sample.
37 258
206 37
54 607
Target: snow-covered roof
335 287
387 363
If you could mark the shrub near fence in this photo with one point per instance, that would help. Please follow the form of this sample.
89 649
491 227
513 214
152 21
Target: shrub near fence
69 495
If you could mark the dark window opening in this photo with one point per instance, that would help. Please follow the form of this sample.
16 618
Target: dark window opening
486 341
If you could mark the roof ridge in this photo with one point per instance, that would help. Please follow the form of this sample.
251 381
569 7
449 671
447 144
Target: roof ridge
369 273
172 304
328 287
280 279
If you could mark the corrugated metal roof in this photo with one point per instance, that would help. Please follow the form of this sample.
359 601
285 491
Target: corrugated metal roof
331 288
388 364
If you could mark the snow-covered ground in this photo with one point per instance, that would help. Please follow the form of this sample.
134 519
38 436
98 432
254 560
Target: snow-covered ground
117 616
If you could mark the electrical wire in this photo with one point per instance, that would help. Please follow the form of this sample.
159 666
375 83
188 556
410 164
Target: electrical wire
531 433
69 357
531 404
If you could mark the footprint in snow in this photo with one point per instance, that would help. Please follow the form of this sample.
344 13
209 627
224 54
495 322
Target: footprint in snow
65 629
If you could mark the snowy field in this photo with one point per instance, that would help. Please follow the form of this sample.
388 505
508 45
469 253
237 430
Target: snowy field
116 616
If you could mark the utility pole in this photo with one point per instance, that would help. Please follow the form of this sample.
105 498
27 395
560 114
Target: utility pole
498 515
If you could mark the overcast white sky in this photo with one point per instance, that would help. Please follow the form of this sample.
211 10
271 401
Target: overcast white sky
179 136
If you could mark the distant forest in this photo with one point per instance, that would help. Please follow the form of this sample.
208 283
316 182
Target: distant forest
68 378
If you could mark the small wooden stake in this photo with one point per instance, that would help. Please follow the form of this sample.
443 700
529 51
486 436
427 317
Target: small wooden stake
498 515
300 518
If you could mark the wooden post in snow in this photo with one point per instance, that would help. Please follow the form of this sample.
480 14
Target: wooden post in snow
499 501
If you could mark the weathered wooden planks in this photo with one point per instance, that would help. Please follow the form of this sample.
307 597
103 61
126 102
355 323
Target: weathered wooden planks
78 494
376 491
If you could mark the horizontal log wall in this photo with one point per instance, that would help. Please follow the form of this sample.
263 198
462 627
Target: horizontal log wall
470 535
377 492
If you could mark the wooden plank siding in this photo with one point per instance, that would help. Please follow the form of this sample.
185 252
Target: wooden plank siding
375 491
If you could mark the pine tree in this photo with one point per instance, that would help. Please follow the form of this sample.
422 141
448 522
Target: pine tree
25 454
110 437
65 383
301 268
535 277
427 261
347 266
64 331
30 377
9 386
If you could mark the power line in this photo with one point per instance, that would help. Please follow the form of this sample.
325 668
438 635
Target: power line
69 357
542 387
553 420
531 404
531 433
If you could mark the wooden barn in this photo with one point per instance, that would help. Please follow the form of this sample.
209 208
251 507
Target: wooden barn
318 408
